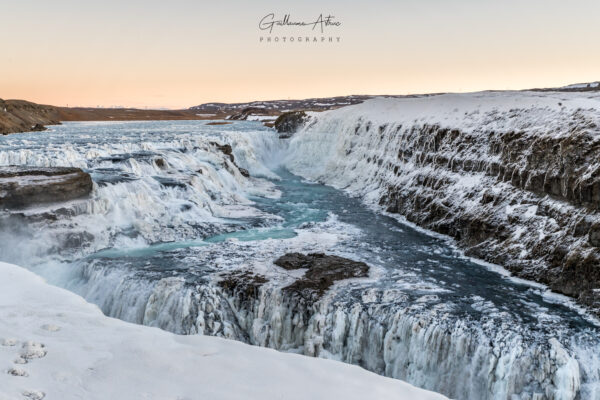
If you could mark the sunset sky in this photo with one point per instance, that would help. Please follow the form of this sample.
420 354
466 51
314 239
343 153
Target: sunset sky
180 53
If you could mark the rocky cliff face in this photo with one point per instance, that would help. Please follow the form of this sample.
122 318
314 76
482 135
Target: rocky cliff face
533 210
288 123
513 177
23 116
22 186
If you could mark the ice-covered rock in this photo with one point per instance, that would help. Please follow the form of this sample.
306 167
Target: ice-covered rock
21 186
322 270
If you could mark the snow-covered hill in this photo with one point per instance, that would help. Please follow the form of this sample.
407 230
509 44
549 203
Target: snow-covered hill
54 345
324 103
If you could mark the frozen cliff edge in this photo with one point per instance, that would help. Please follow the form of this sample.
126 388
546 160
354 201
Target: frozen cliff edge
53 343
514 177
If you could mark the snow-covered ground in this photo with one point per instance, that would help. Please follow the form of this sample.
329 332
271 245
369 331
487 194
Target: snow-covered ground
55 345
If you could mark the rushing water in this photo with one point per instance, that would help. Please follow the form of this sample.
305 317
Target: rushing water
154 239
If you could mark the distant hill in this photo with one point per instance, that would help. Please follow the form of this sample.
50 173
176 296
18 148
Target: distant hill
576 87
279 106
23 116
125 114
274 107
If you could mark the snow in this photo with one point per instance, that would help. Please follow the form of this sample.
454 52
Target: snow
464 109
261 118
582 85
54 345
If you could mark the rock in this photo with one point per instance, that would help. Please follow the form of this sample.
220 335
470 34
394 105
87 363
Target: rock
170 182
594 235
246 112
581 227
106 176
243 282
228 151
160 163
510 215
23 116
21 186
322 271
225 149
244 172
289 122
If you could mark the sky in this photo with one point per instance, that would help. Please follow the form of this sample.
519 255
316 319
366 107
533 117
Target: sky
180 53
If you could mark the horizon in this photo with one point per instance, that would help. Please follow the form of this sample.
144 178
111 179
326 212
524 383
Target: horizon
308 98
174 56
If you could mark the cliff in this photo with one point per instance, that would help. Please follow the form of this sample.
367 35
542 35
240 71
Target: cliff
513 177
23 116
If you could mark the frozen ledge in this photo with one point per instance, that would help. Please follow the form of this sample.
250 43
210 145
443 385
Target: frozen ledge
54 344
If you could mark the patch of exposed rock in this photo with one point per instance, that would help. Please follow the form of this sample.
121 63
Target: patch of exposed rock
21 186
243 282
288 123
322 271
246 112
24 116
228 151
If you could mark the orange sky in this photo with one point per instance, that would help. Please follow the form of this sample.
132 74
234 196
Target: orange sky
181 53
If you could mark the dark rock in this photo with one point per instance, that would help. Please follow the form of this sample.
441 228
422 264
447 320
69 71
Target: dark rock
244 172
225 149
38 128
73 240
244 283
289 122
21 186
106 176
228 151
160 163
246 112
322 271
115 158
594 235
581 227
